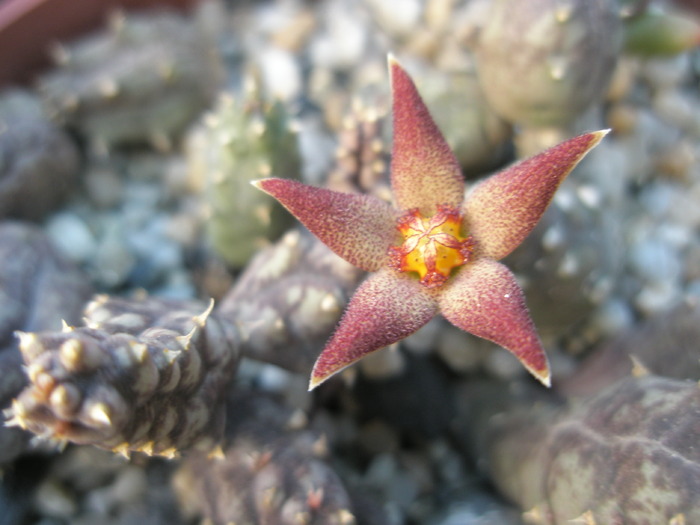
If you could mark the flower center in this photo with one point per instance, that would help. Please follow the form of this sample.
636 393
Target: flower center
432 246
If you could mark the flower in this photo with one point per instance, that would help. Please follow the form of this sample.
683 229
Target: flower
435 251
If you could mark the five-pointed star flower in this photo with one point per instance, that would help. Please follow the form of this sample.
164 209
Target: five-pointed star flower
435 251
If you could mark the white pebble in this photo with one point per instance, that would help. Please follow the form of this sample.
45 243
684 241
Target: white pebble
655 260
114 260
658 297
399 17
343 42
281 75
53 499
71 236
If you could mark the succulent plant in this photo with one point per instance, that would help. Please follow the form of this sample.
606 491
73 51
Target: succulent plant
288 300
143 80
143 375
542 63
362 156
38 288
240 140
39 163
661 32
625 455
665 344
480 139
430 219
272 471
569 262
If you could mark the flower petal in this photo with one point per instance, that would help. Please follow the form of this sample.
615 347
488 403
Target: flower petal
485 299
387 307
359 228
503 209
424 171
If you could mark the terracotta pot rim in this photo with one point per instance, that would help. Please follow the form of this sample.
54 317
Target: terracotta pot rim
28 28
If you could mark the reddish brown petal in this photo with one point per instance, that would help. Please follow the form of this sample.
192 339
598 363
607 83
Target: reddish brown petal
484 299
387 307
359 228
502 210
424 171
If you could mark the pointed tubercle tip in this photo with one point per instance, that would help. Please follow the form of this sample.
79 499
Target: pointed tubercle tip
317 379
201 319
392 64
99 412
314 382
600 134
541 373
217 453
543 376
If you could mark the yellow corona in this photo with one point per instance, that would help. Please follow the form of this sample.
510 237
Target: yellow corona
432 246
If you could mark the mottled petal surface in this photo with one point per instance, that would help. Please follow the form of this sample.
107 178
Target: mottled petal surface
359 228
387 307
485 299
503 209
424 171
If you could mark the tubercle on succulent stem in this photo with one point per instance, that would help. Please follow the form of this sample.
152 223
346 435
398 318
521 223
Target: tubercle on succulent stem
432 246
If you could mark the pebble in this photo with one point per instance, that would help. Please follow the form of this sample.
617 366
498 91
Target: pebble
655 260
342 43
468 513
447 462
460 351
398 18
316 147
128 488
502 364
422 341
612 317
55 500
658 297
141 200
114 260
178 285
383 364
72 236
151 242
104 187
281 74
678 109
692 291
385 474
376 437
666 73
